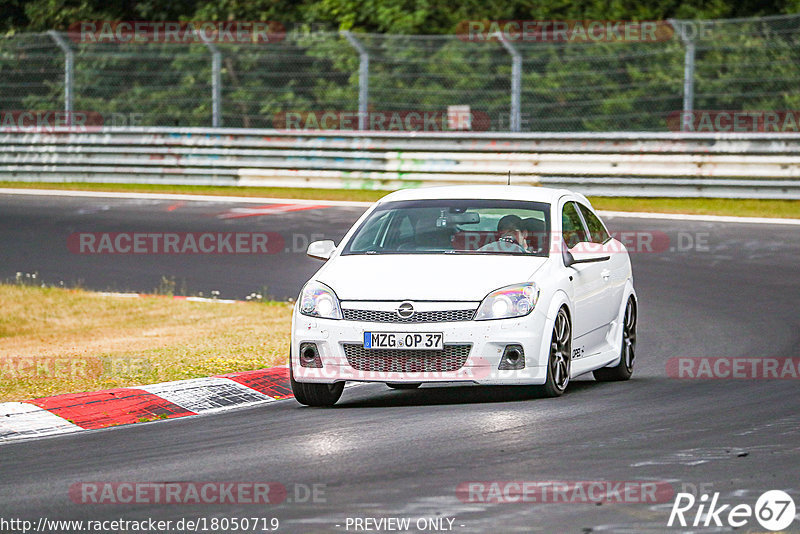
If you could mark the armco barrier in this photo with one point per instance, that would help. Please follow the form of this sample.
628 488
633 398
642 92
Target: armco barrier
614 164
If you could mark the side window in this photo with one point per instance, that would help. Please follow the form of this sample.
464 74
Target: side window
597 231
572 226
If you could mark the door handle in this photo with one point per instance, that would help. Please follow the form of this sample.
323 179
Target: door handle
606 274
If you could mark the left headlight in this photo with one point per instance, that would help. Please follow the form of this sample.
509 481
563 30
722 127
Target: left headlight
507 302
318 300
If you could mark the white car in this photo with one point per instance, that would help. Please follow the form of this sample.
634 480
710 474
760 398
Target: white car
467 284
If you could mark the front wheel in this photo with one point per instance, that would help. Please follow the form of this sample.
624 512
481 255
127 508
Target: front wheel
315 394
559 363
624 369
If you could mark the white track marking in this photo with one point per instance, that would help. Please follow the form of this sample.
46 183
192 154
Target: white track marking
204 299
203 395
700 218
23 420
176 297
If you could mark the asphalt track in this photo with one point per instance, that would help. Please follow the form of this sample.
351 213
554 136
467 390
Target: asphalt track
34 232
385 453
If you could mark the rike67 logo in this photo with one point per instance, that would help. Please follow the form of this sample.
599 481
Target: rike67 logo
774 511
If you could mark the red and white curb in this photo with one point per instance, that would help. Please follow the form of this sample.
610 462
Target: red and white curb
73 412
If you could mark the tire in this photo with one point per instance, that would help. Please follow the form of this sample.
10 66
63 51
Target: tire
624 369
404 385
559 361
315 394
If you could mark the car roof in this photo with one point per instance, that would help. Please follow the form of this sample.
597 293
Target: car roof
493 192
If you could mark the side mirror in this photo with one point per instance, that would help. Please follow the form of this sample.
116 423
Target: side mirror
570 260
321 250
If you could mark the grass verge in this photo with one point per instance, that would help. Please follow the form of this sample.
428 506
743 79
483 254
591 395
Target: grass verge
695 206
65 341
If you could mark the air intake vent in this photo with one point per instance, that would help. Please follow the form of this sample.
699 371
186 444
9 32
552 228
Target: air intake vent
452 358
372 316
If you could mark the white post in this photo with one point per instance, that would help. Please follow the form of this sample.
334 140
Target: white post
516 84
216 85
688 70
363 78
69 66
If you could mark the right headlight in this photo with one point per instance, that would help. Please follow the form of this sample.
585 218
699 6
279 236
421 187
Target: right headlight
507 302
318 300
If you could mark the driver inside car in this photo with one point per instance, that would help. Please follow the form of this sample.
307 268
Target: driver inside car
513 236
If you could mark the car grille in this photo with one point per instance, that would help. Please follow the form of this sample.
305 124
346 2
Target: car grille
452 358
373 316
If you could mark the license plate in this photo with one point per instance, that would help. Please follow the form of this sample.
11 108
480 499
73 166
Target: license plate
404 340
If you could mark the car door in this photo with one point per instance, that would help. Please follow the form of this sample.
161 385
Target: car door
588 284
615 270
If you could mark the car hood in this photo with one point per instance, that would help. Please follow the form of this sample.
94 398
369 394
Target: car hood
424 276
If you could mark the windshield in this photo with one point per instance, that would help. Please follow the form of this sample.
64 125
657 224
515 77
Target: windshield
454 227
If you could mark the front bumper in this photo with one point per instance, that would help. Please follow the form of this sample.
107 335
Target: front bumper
486 341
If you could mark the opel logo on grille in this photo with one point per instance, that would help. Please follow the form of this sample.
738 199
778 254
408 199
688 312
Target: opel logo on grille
405 310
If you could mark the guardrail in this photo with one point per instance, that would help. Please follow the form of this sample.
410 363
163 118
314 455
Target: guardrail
613 164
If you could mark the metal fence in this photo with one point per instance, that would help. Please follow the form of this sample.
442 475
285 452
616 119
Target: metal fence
614 164
747 64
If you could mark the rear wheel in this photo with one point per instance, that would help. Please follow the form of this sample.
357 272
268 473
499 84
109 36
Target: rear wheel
624 369
315 394
559 362
404 385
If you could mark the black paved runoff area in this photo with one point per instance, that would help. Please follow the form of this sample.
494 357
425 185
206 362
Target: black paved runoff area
381 453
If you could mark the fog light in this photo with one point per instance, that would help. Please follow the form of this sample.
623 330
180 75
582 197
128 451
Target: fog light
513 358
309 355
